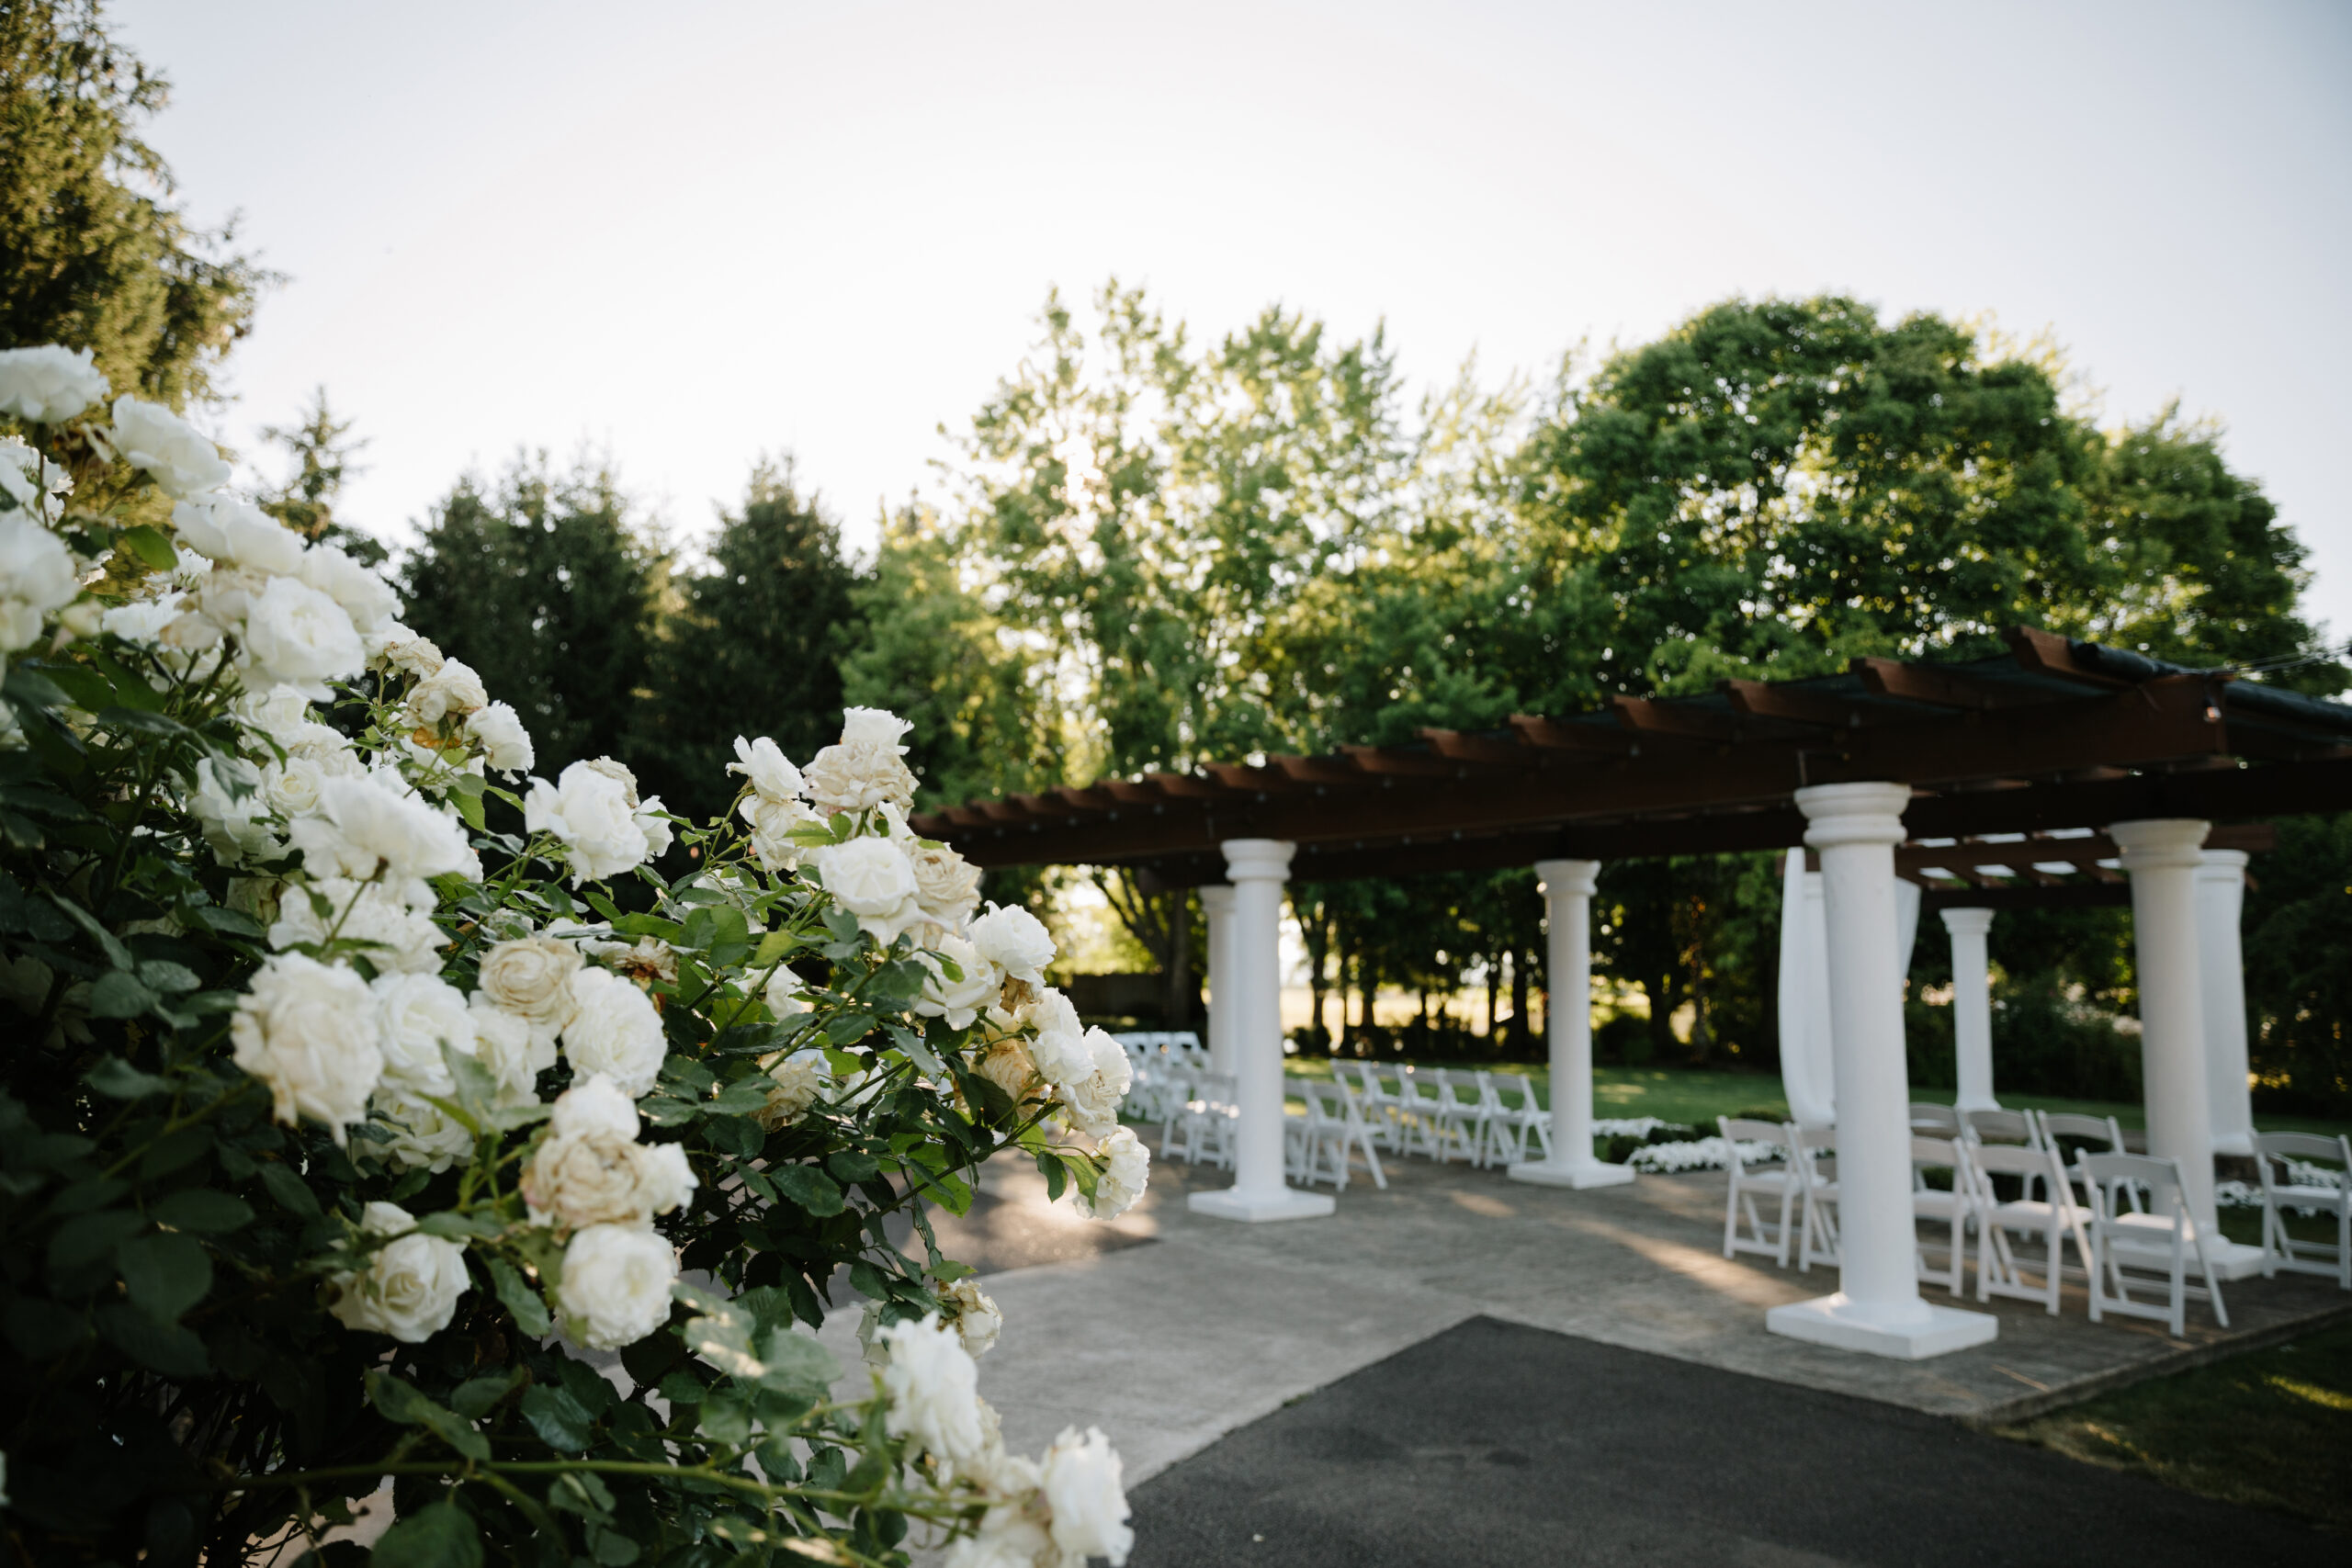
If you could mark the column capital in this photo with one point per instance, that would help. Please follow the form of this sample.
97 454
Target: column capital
2160 843
1853 813
1577 876
1217 899
2221 865
1968 923
1257 860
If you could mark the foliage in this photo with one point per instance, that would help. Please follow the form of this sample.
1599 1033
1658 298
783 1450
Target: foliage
544 585
748 641
285 1207
99 257
322 454
2299 968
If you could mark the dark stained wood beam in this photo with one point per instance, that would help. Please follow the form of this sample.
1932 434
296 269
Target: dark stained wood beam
2053 655
1648 715
1552 735
1794 704
1938 685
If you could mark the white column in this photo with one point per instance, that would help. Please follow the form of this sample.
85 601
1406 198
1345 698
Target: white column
2221 895
2164 856
1972 1007
1877 1308
1216 904
1252 1015
1567 898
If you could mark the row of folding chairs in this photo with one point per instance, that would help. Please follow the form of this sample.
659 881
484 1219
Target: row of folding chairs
1439 1114
2123 1214
1164 1063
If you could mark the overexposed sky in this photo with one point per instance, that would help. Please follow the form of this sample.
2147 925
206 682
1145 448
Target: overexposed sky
686 233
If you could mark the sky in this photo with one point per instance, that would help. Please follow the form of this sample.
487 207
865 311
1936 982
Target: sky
682 235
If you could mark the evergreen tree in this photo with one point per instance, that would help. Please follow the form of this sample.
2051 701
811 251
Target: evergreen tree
322 450
752 646
96 256
544 584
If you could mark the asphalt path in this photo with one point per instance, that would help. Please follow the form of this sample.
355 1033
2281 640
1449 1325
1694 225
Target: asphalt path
1495 1444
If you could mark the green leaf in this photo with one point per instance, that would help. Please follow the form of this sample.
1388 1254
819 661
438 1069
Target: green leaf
147 546
852 1165
165 1347
167 1274
35 687
117 954
867 1280
740 1136
120 993
133 721
401 1402
797 1364
774 948
162 974
468 804
441 1536
83 1241
725 1420
1050 1167
808 1186
227 922
476 1398
683 1387
203 1209
530 1312
557 1417
293 1193
449 1225
118 1079
741 1099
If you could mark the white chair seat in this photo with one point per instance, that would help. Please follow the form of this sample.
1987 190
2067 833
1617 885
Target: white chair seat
2315 1197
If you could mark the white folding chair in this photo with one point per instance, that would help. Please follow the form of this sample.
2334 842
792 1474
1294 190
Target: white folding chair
2127 1248
1423 1095
2000 1127
2054 1220
1810 1150
1515 1128
1954 1206
1308 1152
2304 1189
2085 1129
1205 1123
1382 1115
1468 1115
1751 1181
1935 1121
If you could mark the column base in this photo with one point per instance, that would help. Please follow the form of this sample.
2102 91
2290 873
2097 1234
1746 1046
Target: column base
2234 1144
1256 1208
1844 1324
1987 1103
1578 1173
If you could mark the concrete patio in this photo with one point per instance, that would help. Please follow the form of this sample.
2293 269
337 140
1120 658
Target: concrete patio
1170 1330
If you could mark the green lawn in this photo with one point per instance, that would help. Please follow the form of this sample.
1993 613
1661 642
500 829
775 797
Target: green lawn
2272 1429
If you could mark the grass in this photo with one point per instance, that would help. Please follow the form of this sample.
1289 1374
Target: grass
2270 1428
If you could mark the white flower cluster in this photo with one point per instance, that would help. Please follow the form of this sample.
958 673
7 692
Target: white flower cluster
1054 1512
1699 1154
591 1178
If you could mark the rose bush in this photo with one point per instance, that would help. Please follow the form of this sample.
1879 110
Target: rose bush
352 1097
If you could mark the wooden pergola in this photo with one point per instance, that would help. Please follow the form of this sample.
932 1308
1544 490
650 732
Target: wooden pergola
2055 734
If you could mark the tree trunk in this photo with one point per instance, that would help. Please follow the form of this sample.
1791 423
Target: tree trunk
1493 992
1316 933
1182 996
1519 1022
1662 1004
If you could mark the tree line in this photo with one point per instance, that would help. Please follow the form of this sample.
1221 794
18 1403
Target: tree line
1150 549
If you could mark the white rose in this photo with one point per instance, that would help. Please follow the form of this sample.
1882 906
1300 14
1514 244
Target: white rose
451 691
873 727
977 1321
281 713
947 885
786 993
1014 940
591 812
310 1032
296 634
505 744
365 827
616 1282
1062 1055
857 778
614 1030
1081 1480
531 976
1127 1171
594 1107
291 788
400 650
390 923
873 880
665 1177
1093 1100
798 1081
957 1001
49 384
229 809
655 826
771 771
141 621
367 598
933 1385
37 577
235 532
409 1289
151 437
576 1181
419 1014
1008 1537
772 822
424 1137
514 1052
